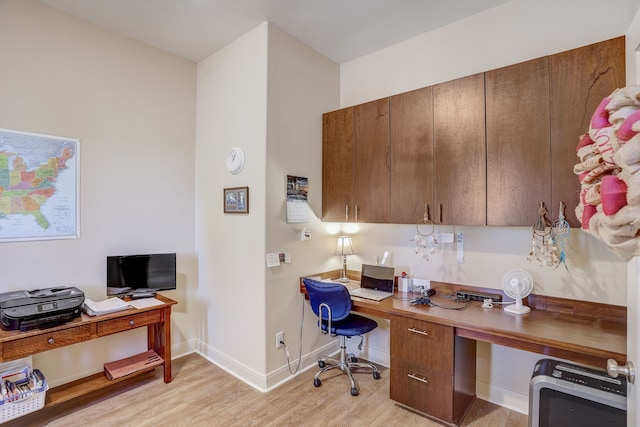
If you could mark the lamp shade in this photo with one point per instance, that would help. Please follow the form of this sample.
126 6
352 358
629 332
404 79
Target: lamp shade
345 247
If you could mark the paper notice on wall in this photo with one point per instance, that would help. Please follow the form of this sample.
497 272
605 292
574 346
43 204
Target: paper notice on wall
297 212
273 260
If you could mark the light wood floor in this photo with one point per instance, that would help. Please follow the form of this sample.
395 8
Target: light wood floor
201 394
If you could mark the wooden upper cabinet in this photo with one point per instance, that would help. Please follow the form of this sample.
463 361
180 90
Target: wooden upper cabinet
480 150
372 171
411 121
518 147
459 152
580 79
337 164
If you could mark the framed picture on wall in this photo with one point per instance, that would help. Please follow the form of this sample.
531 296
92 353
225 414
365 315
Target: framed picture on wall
236 200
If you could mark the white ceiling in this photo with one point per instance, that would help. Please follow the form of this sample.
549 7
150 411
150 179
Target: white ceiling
342 30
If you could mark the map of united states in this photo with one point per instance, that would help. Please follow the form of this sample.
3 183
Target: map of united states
38 180
24 191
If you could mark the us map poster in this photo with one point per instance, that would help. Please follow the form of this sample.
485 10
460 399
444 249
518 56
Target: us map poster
39 186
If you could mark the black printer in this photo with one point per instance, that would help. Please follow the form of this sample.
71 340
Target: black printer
40 308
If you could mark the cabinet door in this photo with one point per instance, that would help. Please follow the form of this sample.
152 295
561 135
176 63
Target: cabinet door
371 180
460 151
580 79
411 121
518 147
422 343
426 390
337 164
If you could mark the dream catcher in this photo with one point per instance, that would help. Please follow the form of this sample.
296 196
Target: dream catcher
425 239
543 248
560 230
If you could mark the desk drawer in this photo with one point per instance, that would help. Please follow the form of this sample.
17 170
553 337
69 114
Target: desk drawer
46 341
422 343
422 389
120 324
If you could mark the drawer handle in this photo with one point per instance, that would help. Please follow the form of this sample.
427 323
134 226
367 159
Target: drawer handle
418 331
418 378
132 322
51 340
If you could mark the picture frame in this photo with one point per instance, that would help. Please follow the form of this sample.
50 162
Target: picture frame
236 200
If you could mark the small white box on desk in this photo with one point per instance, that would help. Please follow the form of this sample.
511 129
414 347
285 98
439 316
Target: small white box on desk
404 284
421 284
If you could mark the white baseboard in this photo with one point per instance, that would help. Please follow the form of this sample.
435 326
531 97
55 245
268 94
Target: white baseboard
504 397
240 371
259 381
376 355
498 395
309 361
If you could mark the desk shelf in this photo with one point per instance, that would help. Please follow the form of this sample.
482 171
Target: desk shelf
83 386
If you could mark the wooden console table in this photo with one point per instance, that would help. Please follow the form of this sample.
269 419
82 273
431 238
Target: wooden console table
157 319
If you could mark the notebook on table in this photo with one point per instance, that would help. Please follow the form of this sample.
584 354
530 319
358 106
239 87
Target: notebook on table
376 283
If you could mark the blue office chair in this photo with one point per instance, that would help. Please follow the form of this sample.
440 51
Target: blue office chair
331 302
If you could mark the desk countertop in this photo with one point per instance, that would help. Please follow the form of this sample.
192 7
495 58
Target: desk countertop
575 332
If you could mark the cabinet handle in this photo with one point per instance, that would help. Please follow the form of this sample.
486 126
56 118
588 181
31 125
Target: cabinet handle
346 213
51 340
418 378
440 211
356 209
418 331
131 322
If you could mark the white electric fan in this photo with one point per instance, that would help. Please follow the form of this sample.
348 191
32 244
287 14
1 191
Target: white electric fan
517 284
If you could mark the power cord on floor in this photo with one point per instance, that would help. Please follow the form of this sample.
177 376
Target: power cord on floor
286 349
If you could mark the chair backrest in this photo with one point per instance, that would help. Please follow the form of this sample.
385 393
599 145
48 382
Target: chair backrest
335 295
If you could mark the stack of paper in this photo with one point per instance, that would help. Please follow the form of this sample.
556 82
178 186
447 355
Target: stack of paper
110 305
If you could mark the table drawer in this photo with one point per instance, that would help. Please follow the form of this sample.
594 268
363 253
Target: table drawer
422 343
120 324
46 341
424 390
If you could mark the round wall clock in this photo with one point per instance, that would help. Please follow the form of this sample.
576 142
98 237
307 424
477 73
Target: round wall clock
235 160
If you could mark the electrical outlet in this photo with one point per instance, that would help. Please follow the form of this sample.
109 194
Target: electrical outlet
279 339
478 296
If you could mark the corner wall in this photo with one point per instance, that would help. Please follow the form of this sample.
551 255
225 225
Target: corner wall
303 84
232 111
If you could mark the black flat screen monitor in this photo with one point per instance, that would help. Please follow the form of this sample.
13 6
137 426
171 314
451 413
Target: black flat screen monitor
128 274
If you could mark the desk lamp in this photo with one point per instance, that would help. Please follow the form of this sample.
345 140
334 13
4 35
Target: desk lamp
344 248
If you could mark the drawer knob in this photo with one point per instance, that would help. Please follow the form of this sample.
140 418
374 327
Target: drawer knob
51 340
131 322
418 378
418 331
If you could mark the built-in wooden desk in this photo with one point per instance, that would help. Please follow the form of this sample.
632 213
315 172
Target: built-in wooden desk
157 319
583 332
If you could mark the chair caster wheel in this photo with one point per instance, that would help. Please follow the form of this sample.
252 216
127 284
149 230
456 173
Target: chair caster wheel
352 359
321 364
376 375
354 391
318 383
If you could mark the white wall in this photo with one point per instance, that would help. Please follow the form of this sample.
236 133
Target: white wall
302 85
232 111
132 107
265 92
510 33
